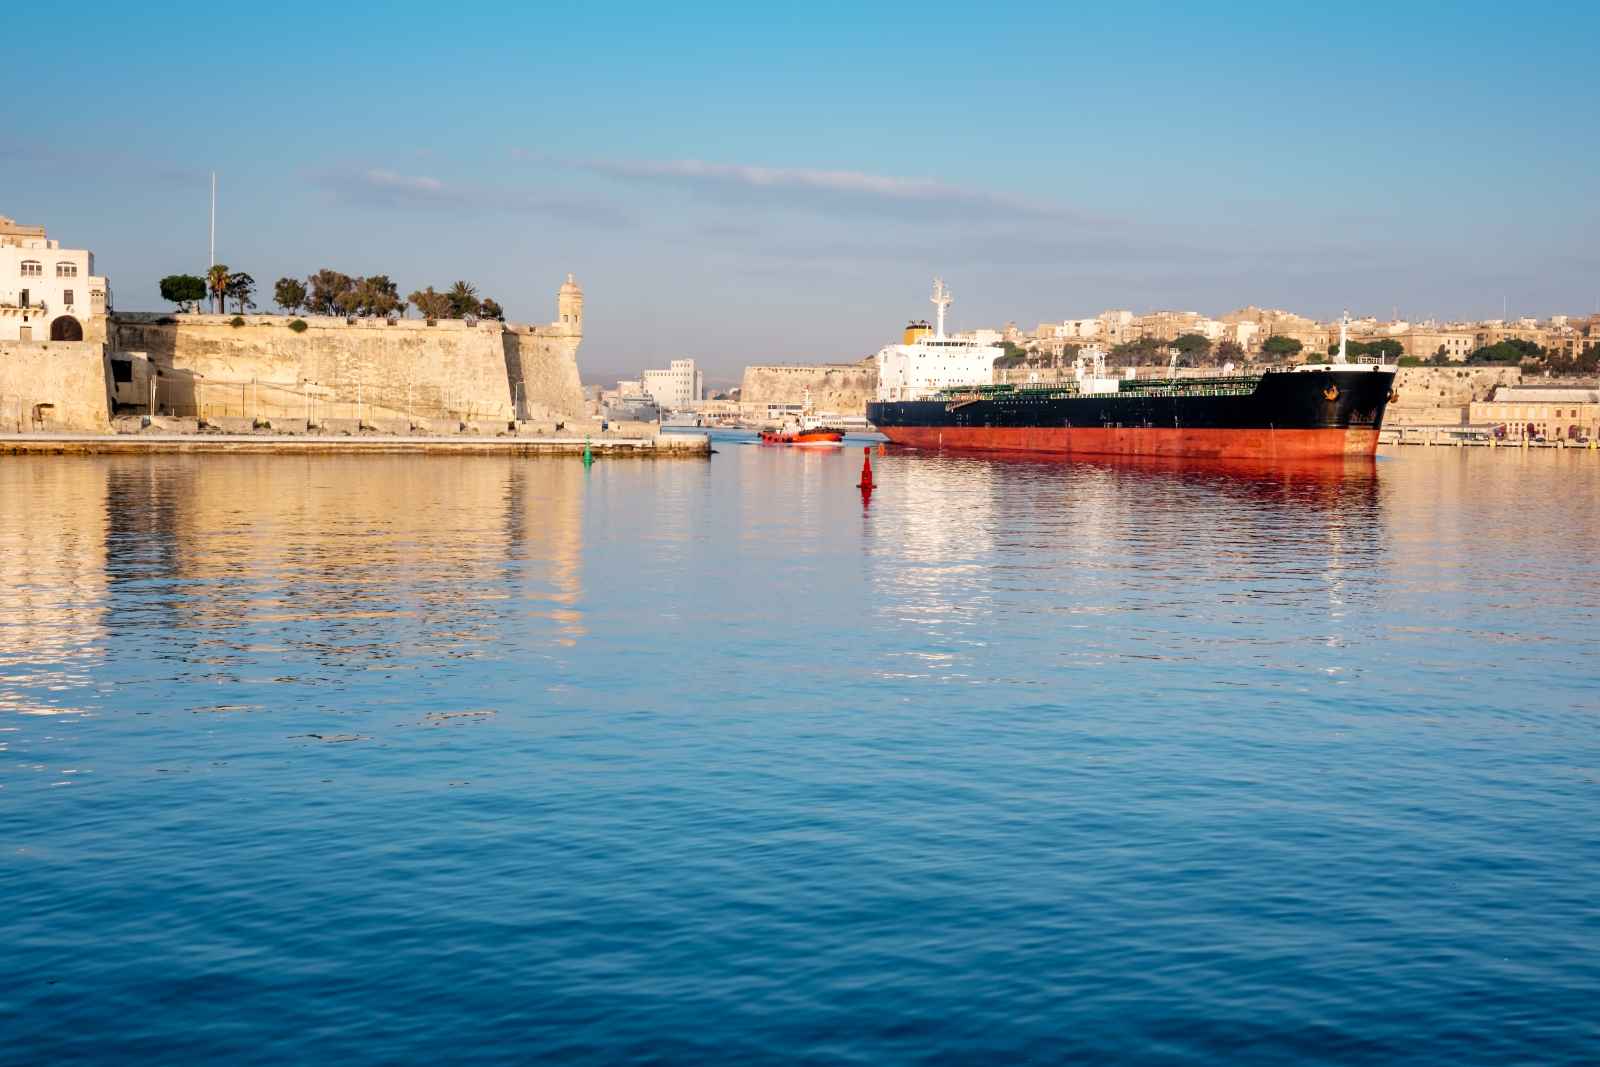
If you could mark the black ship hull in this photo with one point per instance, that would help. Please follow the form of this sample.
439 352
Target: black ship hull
1313 414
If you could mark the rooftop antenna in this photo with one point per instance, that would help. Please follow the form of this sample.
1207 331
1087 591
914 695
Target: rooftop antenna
213 218
941 300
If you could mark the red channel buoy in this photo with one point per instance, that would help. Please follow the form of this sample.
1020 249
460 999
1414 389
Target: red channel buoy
866 469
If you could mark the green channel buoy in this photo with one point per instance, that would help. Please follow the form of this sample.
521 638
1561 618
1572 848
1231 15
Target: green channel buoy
588 456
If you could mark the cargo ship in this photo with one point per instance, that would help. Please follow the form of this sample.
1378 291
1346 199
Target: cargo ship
936 392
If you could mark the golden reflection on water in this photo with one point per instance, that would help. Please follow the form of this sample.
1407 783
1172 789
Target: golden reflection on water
52 583
259 544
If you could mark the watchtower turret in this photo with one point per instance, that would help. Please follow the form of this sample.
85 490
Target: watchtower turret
569 307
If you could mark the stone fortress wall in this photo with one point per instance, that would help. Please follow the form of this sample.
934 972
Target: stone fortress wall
841 388
1440 396
204 365
54 385
262 369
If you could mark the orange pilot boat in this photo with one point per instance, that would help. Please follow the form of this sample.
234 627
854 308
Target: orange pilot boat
819 435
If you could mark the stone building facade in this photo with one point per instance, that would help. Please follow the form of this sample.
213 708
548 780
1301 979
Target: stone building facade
1542 411
48 293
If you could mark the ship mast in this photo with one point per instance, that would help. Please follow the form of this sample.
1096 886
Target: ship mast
940 300
1344 331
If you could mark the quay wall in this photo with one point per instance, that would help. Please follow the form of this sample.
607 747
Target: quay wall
842 388
54 385
203 365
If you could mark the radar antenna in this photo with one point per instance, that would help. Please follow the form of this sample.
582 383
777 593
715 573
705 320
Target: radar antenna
940 300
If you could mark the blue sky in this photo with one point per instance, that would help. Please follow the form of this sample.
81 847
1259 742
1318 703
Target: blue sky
742 183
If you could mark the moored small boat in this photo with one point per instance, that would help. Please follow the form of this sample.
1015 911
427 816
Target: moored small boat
819 435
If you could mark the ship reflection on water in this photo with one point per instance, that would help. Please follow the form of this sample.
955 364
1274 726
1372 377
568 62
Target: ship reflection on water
1124 559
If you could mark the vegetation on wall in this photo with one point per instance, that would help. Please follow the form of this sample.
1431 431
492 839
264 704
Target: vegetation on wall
1142 350
329 292
431 305
1513 350
241 289
217 282
1387 349
1280 347
185 290
289 294
1193 347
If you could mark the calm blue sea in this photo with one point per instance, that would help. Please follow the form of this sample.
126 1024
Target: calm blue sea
398 760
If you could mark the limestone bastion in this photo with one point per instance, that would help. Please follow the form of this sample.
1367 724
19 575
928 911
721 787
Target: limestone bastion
841 388
299 367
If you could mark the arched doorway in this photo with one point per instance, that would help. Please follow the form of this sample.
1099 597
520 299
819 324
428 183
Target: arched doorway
66 328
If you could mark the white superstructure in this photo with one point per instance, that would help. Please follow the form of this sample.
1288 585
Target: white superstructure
924 365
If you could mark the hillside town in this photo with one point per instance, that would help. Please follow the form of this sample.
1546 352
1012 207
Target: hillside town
1453 374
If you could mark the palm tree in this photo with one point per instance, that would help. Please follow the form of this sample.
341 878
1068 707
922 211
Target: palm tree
463 298
217 279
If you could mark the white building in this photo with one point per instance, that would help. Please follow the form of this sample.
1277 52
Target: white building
1070 330
920 368
678 388
48 293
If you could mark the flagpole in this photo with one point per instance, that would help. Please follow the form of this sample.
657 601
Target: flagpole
213 218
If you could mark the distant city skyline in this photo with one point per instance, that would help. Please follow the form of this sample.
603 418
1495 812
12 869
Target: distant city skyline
734 186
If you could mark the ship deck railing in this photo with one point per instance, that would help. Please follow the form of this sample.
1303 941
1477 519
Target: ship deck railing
1187 386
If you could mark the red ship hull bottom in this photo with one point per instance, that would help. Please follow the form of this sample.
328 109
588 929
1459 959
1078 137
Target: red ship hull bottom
1207 443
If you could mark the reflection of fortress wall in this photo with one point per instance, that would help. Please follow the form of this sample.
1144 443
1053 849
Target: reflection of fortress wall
545 519
406 539
52 578
53 385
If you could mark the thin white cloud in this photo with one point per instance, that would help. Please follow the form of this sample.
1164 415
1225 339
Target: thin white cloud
384 188
810 187
376 186
405 184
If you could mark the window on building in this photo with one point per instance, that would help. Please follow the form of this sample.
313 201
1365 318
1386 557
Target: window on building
32 268
66 297
66 270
